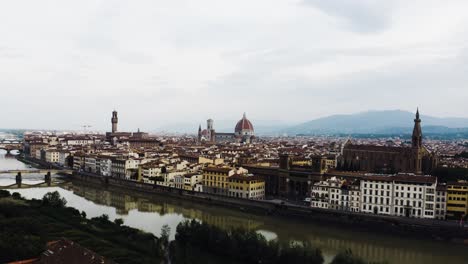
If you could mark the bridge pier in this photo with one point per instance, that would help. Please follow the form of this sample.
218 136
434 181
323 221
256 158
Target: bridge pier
48 178
19 179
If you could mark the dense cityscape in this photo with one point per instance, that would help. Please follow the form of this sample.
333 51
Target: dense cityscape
380 177
384 176
235 132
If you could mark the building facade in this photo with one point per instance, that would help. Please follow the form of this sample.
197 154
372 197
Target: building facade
405 195
246 186
385 159
457 200
336 194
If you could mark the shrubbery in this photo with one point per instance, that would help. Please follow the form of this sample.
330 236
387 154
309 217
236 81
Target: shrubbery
26 227
347 257
237 245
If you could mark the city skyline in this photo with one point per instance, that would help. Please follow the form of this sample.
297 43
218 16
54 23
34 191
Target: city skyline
276 60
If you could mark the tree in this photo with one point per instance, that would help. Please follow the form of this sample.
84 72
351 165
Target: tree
119 221
4 193
16 196
347 257
165 233
83 214
54 199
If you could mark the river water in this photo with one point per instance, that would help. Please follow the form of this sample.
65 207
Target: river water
151 213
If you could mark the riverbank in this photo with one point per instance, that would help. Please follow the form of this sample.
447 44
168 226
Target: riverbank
27 225
403 227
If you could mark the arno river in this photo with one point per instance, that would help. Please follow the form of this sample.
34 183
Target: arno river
151 213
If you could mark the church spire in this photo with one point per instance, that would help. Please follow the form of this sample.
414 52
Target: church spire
417 132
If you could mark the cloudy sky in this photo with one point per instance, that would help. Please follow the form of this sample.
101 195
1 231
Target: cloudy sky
68 63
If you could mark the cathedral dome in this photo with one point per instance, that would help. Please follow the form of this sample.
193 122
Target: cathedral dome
244 126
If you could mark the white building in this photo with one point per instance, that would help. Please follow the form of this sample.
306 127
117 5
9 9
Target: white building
406 195
125 167
63 156
441 201
104 166
335 194
79 161
90 164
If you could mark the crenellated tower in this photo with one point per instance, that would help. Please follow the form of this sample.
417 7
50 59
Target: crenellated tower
416 141
199 133
114 121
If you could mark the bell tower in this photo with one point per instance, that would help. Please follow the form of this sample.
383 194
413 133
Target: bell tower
114 121
417 132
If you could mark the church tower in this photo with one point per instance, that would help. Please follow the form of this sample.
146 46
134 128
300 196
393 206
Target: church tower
114 121
417 132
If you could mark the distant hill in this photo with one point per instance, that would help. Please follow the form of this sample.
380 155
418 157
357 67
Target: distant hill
378 122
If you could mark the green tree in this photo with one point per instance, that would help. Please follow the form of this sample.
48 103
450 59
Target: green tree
4 193
16 195
165 233
54 199
119 221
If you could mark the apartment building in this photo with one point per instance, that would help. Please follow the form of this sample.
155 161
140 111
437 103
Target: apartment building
406 195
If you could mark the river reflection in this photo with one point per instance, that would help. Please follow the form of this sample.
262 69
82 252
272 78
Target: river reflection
150 213
9 161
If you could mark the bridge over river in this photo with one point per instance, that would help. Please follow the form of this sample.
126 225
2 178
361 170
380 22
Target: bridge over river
36 185
43 171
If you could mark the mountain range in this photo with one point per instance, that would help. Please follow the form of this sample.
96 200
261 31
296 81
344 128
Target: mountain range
378 122
370 122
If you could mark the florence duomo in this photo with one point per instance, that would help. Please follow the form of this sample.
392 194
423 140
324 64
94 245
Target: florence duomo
243 132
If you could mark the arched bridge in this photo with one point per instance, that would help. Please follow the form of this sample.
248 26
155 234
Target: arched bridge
10 141
11 146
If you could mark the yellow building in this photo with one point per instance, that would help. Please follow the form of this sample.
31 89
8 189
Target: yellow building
215 179
246 186
457 199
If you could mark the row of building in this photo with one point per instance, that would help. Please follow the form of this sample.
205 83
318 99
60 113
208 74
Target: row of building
405 195
332 173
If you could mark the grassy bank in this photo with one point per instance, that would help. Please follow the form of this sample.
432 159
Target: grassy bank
26 226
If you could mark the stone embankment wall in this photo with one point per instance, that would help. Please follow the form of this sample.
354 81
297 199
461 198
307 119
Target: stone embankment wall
425 228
